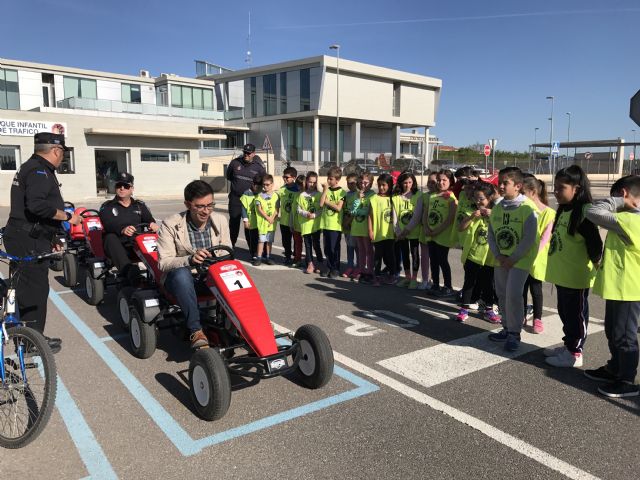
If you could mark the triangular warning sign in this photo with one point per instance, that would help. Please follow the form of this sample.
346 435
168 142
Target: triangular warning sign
266 145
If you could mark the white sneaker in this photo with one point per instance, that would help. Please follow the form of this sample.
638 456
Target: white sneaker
474 307
425 285
553 351
565 359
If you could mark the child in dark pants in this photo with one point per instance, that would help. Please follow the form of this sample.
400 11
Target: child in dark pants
617 282
381 229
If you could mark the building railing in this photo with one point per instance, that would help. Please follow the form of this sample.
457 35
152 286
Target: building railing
77 103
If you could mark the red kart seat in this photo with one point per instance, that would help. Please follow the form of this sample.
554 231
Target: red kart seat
76 232
93 229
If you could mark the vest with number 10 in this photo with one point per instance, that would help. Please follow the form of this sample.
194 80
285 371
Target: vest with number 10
508 229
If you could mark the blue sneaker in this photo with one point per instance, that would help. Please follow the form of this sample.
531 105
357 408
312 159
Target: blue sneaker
513 342
500 336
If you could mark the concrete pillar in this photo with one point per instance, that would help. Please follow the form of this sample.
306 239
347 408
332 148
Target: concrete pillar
396 141
355 139
620 157
316 144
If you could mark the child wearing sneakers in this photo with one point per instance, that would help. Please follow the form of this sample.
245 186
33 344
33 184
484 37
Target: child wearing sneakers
353 260
249 218
267 211
381 229
406 248
513 224
617 282
536 191
576 246
308 210
294 222
287 193
423 202
360 227
331 202
477 259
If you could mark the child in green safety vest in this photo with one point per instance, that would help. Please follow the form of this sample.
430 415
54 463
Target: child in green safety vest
294 222
331 202
438 222
421 206
267 211
352 252
360 228
536 191
308 212
477 259
286 194
617 282
249 218
575 247
381 230
513 226
406 248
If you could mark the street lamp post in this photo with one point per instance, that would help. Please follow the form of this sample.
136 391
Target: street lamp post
635 160
551 137
568 114
535 140
336 47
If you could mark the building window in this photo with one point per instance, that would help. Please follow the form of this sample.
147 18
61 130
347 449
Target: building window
295 135
164 156
68 164
305 90
80 88
162 96
269 94
9 92
9 158
191 97
283 92
396 99
254 99
131 93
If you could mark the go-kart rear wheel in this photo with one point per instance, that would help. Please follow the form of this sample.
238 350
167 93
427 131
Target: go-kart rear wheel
70 269
209 384
124 296
142 336
94 288
315 365
56 265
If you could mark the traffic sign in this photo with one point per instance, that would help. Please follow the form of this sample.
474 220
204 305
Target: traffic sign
487 150
634 109
631 156
556 149
266 145
588 155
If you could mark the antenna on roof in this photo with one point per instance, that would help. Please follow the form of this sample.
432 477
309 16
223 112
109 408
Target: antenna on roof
247 59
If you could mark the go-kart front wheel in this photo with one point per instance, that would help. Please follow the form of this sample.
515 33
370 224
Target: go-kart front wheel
124 297
70 269
143 336
209 384
315 364
94 288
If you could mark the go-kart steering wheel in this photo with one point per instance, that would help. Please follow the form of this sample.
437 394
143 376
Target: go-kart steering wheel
69 205
90 212
218 258
142 228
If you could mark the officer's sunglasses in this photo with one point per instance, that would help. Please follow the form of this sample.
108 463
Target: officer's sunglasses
126 186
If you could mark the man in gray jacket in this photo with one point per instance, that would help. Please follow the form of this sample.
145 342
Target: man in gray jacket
184 241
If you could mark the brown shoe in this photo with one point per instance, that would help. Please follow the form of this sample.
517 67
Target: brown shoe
198 339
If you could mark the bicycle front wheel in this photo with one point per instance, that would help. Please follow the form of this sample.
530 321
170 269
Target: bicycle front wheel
27 395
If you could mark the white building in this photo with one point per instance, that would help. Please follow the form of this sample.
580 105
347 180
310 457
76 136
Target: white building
162 129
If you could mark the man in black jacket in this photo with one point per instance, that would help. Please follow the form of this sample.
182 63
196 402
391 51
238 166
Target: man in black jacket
240 173
37 211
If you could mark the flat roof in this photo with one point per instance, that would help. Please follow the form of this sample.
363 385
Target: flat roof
589 144
140 133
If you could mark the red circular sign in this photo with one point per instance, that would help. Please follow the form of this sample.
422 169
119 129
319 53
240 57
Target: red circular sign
487 150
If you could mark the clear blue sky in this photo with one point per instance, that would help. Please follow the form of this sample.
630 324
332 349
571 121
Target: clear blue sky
498 59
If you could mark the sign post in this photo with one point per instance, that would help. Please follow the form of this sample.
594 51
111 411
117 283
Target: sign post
266 145
493 142
487 152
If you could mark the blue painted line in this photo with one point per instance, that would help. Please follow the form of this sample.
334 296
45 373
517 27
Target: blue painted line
117 336
185 444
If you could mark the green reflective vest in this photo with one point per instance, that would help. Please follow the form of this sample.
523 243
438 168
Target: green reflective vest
508 228
309 202
287 197
466 206
439 208
360 225
539 267
247 201
347 206
382 217
269 206
404 208
476 244
330 219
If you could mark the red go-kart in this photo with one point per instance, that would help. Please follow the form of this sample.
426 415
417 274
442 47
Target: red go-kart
237 325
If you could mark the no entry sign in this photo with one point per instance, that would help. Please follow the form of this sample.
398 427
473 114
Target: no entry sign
487 150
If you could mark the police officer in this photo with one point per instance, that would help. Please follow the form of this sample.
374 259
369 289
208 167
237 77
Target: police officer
240 173
119 217
37 211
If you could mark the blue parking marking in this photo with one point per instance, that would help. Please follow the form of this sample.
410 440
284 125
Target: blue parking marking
185 444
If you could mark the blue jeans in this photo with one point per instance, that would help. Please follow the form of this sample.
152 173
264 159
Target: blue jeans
181 284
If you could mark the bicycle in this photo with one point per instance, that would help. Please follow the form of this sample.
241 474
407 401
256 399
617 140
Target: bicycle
28 375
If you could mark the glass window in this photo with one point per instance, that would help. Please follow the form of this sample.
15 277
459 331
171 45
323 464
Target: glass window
396 99
9 158
269 94
283 92
80 88
9 91
254 100
295 132
176 95
207 98
305 90
131 93
162 96
164 156
187 99
197 98
68 164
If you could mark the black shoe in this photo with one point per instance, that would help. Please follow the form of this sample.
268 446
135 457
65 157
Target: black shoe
324 273
334 274
55 344
600 375
257 262
287 261
619 389
268 261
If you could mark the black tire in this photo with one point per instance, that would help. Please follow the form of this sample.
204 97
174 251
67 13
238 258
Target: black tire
124 297
209 384
94 289
56 265
142 336
16 402
315 365
70 269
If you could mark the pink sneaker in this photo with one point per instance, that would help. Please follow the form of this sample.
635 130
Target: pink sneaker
347 273
310 268
491 316
356 273
537 326
463 314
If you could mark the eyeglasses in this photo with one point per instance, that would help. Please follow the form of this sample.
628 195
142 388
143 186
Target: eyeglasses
200 208
126 186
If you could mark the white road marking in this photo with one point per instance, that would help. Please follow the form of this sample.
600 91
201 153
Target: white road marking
406 321
359 328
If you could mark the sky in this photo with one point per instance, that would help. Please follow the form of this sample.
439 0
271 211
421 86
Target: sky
498 59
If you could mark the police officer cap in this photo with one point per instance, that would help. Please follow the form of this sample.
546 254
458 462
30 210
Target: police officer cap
47 138
249 148
124 177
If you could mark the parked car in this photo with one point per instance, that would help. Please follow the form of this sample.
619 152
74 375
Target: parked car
355 165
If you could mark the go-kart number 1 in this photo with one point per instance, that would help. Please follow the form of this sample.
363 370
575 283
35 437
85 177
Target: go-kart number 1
235 280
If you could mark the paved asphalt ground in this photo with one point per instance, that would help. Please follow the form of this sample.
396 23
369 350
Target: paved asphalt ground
414 395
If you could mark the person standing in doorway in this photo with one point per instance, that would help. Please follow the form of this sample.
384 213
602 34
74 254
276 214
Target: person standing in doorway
240 174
